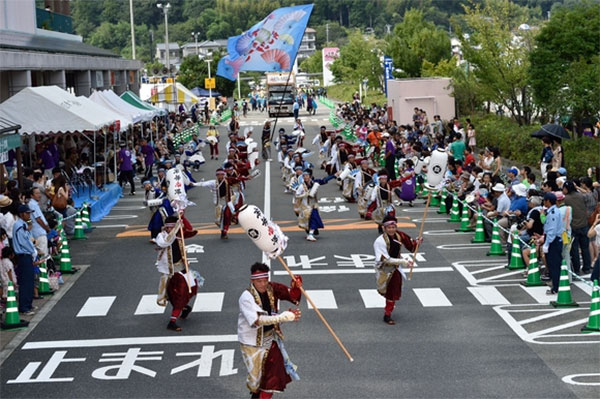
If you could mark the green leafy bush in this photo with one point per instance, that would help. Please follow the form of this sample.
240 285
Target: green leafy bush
515 143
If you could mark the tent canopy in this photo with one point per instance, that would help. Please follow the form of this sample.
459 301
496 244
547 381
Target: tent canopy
108 99
163 94
200 92
134 100
50 109
103 112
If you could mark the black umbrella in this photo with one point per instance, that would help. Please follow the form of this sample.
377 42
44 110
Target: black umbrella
552 130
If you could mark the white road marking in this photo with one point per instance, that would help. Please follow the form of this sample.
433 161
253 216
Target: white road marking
539 294
111 226
430 220
96 306
570 379
488 295
130 341
208 302
118 217
372 299
416 210
450 232
431 297
323 299
463 246
362 271
585 287
537 337
549 315
148 305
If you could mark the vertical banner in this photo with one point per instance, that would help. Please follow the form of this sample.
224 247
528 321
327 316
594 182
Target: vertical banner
388 67
330 54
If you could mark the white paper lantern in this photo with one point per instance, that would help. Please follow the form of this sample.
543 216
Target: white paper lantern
266 235
436 169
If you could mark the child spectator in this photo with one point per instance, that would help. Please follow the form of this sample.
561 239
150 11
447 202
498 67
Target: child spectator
53 238
7 271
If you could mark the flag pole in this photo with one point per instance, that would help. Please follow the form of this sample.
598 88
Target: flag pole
285 88
317 311
420 235
239 88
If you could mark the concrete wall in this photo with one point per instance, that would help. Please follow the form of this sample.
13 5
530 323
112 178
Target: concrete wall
18 16
434 95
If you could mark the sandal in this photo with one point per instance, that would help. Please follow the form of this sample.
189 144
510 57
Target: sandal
388 320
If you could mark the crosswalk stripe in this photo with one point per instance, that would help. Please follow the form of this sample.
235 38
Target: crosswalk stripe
323 299
488 296
431 297
538 293
208 302
96 306
372 299
148 305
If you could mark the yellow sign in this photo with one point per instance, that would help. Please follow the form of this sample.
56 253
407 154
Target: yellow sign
210 83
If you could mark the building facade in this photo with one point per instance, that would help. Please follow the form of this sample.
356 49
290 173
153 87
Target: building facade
308 45
33 55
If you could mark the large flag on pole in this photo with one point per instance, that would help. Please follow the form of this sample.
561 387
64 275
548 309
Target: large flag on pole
269 46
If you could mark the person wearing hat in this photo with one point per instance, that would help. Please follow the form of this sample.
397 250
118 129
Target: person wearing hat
334 162
161 213
551 241
363 182
512 176
259 331
579 226
22 243
388 273
309 219
126 167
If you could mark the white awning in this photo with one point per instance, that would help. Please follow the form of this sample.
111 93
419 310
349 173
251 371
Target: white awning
50 109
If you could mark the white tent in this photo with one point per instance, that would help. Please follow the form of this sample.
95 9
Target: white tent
103 113
50 109
124 105
163 95
99 97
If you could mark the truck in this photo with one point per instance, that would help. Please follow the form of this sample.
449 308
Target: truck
281 97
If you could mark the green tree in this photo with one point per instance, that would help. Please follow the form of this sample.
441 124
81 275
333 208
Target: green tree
313 64
359 60
193 71
565 70
416 40
497 51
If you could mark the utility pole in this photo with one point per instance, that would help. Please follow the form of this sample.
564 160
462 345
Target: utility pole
152 46
132 28
165 9
208 61
195 34
327 33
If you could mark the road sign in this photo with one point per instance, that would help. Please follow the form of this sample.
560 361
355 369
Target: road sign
210 83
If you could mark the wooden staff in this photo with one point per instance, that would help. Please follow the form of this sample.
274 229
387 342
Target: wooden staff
183 253
420 235
339 342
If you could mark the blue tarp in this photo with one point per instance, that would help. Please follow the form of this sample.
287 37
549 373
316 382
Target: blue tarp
204 93
101 202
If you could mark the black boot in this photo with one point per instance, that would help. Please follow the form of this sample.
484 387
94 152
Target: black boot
186 312
173 326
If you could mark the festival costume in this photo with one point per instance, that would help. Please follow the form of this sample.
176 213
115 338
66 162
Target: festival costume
222 199
166 263
269 367
158 218
382 201
348 183
308 217
388 274
363 186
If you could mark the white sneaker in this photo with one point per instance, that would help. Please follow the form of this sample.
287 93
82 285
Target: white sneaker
310 237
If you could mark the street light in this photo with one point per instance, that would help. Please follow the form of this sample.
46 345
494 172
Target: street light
195 34
165 9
